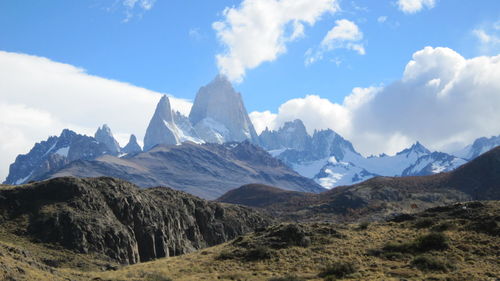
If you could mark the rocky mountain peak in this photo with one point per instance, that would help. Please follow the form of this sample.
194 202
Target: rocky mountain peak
132 146
105 136
161 128
218 114
292 135
416 148
478 147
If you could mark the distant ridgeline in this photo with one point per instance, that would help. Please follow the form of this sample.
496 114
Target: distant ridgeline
204 143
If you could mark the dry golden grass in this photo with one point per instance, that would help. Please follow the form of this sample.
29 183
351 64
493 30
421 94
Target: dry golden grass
473 261
473 256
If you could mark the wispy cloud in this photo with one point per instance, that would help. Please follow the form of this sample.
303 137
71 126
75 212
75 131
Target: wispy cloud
133 7
488 36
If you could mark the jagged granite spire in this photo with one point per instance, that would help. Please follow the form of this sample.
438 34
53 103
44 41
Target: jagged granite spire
105 136
218 114
132 145
292 135
161 128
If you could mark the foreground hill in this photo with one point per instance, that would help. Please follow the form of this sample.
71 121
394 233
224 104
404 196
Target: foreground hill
456 242
205 170
381 197
118 220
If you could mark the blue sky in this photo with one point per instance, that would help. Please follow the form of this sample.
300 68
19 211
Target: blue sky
383 74
172 47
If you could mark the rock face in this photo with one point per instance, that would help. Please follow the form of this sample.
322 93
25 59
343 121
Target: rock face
116 219
52 154
292 135
132 146
218 114
205 170
161 128
105 136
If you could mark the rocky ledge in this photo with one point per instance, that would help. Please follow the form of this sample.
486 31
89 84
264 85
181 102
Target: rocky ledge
116 219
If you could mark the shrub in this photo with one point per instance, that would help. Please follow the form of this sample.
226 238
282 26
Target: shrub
156 277
443 226
424 223
226 255
432 241
363 225
397 248
258 253
338 270
286 278
429 263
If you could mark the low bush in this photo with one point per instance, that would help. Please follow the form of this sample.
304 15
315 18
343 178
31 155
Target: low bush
338 270
287 278
258 253
363 226
226 255
429 263
444 226
424 223
156 277
432 241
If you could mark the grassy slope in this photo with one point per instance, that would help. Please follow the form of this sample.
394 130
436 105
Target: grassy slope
473 255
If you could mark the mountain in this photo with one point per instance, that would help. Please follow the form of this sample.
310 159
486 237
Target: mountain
205 170
218 114
383 197
53 154
332 161
478 147
105 136
117 219
161 128
132 146
292 135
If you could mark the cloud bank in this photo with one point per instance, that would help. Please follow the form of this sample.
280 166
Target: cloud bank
258 31
40 97
442 100
414 6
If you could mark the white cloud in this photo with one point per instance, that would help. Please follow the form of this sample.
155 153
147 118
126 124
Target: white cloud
263 120
40 97
345 34
258 31
442 100
382 19
488 36
134 5
414 6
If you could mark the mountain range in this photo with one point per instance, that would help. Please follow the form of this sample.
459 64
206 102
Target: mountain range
218 116
378 198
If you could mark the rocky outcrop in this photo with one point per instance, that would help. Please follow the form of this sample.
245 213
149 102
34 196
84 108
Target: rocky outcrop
116 219
132 146
105 136
218 114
